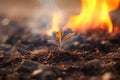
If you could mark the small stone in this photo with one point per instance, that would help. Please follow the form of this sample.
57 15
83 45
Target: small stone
107 76
37 71
59 78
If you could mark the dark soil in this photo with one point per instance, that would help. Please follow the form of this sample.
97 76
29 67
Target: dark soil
92 56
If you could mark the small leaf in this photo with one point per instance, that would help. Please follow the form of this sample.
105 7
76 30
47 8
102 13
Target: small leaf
53 42
59 34
67 36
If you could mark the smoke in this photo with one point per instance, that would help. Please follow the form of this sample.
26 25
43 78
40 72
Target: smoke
37 15
48 6
43 17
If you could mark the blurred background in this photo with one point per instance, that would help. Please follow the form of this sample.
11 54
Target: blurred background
28 7
37 14
31 13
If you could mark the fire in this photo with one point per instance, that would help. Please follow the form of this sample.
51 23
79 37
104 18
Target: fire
56 20
94 14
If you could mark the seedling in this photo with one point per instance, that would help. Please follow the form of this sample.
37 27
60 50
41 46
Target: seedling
60 38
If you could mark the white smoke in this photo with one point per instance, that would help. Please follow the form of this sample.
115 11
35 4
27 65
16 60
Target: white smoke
43 16
35 14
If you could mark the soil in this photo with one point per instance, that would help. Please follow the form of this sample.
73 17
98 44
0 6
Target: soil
24 56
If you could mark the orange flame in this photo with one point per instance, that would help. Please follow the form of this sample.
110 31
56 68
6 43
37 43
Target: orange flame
94 14
56 20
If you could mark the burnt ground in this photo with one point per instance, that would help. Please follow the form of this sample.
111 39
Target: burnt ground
23 56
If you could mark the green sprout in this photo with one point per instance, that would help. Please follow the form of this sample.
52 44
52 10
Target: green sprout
61 39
